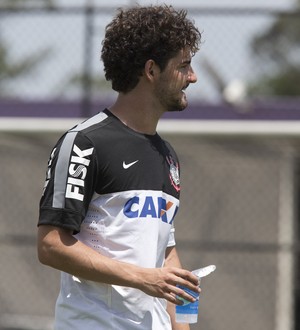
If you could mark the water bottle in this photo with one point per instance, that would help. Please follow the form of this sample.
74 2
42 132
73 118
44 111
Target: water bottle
188 312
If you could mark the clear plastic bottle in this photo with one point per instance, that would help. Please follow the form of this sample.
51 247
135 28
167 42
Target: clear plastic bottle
188 312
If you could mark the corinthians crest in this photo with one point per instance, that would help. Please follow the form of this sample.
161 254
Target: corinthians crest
174 173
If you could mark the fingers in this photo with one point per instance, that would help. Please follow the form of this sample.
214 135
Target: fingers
186 279
183 287
188 276
179 296
174 284
173 299
179 291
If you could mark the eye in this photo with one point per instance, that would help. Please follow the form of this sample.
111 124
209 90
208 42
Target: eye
185 67
185 64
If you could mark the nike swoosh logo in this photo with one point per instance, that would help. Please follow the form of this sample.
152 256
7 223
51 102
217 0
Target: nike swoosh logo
126 166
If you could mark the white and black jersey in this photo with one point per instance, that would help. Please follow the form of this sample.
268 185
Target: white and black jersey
118 190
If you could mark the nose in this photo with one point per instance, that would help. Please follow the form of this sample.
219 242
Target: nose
192 76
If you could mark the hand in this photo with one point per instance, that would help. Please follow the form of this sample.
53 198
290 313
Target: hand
162 283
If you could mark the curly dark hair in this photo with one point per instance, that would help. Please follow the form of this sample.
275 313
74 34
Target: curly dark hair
138 34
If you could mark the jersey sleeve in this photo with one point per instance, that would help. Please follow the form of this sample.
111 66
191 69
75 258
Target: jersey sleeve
70 182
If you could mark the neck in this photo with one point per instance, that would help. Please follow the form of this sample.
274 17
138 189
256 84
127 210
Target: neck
136 112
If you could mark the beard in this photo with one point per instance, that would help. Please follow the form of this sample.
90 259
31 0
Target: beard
179 104
172 101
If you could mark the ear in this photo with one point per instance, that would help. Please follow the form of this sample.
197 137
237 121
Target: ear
151 69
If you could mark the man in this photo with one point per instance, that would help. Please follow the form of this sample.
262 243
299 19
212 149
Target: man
112 186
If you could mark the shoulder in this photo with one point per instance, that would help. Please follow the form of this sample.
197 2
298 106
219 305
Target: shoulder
89 131
91 124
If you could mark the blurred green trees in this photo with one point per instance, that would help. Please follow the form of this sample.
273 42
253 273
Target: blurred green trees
13 68
278 52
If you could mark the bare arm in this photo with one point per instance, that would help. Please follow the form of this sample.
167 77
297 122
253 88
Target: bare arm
172 260
59 249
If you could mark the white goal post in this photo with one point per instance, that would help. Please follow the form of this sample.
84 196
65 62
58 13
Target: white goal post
186 126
